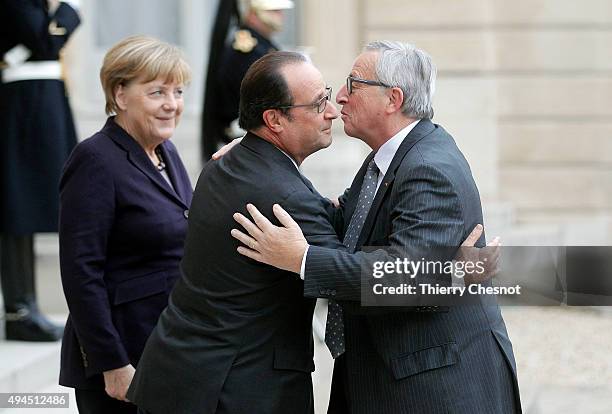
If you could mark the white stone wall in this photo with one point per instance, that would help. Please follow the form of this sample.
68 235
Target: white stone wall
525 87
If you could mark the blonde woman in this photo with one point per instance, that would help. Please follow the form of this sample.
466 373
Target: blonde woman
124 204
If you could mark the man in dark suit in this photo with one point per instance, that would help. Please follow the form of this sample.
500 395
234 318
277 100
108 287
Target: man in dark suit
414 189
236 336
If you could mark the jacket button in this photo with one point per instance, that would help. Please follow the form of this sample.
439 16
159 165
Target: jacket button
186 214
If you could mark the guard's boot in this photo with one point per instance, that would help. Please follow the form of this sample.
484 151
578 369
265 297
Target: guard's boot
23 320
26 323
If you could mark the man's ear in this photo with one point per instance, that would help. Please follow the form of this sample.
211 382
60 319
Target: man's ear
396 99
272 119
120 97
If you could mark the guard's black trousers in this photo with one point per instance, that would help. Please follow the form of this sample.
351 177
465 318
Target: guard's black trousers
17 272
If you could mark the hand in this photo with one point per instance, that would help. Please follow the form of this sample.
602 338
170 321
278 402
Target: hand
117 381
489 256
281 247
225 149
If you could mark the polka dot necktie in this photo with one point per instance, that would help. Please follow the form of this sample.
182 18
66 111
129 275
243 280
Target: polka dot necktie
334 329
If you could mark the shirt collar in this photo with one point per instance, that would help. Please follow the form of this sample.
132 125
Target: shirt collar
386 152
288 156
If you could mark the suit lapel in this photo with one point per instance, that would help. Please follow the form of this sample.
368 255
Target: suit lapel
138 157
172 162
422 129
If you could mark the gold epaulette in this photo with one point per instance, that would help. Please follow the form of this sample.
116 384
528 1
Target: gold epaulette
244 41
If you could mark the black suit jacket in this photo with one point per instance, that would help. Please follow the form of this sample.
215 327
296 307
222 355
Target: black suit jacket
122 229
442 360
236 336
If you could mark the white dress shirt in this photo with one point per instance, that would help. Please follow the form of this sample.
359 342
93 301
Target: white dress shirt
386 152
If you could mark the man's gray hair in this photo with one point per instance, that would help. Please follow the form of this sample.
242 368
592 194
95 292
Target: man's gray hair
412 70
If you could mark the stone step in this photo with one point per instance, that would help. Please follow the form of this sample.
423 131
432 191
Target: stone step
27 366
31 367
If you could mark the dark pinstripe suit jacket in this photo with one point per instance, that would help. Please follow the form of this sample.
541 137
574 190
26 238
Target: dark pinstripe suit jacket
453 360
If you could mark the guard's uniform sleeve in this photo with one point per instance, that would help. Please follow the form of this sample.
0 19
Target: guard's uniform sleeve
43 34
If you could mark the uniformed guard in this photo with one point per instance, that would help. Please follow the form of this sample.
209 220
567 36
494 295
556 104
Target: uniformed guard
37 136
229 60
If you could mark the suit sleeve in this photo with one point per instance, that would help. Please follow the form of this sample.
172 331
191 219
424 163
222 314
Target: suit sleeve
310 212
336 214
426 212
32 27
87 206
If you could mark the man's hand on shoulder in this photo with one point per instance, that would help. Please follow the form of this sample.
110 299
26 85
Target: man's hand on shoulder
281 247
488 256
226 148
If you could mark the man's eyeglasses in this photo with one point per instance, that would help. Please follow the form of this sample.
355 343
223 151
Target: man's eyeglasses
320 105
351 79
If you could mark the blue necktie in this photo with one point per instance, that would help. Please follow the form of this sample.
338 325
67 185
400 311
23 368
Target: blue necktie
334 329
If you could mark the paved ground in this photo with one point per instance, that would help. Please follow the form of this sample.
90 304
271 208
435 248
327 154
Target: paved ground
564 358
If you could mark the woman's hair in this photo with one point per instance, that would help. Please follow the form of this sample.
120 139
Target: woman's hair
143 58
